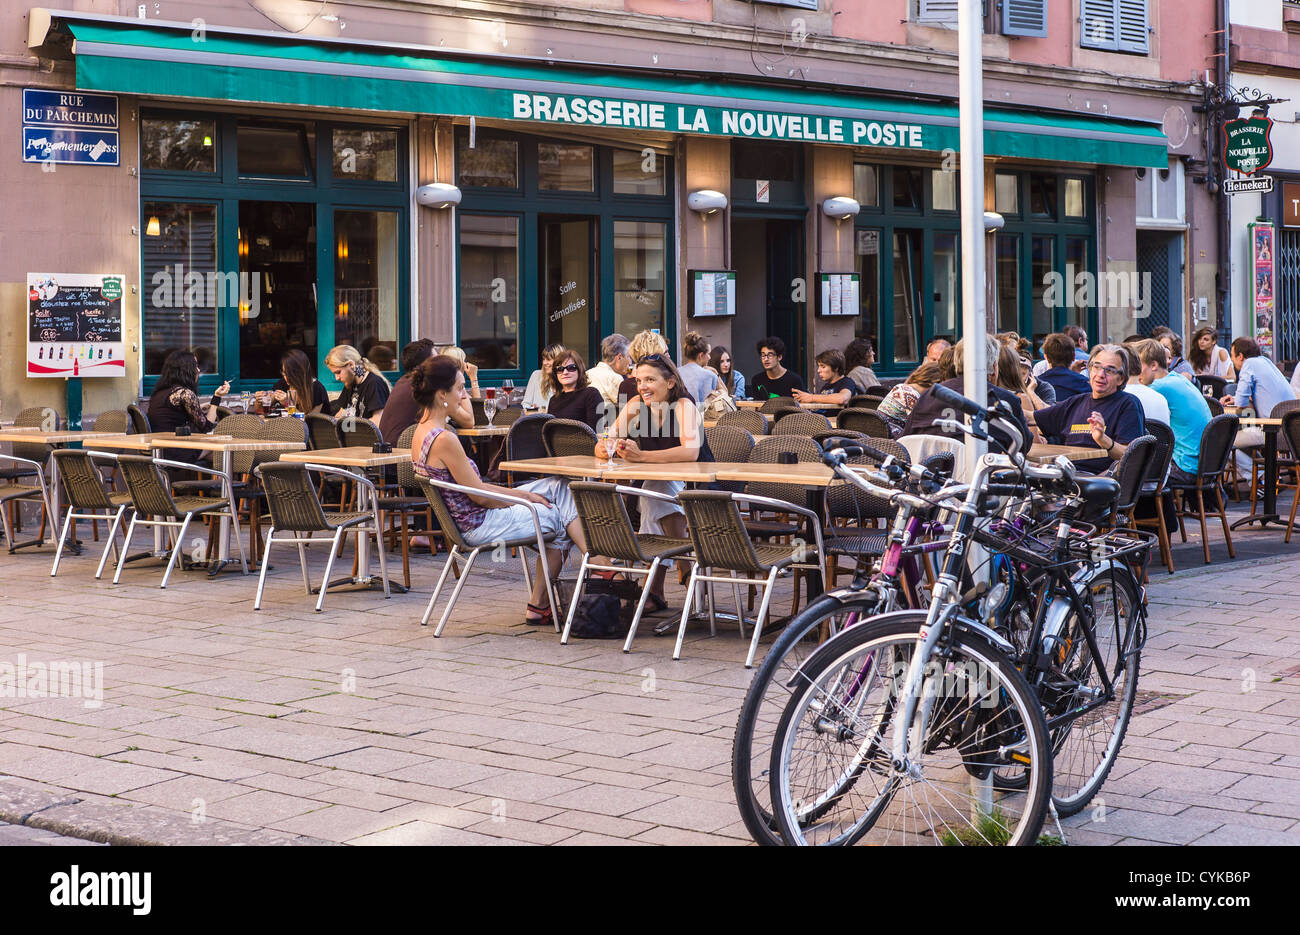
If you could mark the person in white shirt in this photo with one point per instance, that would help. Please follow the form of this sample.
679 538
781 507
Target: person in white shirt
615 364
1154 405
537 396
1260 385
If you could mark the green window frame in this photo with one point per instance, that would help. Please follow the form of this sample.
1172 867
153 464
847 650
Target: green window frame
226 189
529 203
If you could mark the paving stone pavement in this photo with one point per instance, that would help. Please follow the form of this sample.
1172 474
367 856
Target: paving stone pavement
218 724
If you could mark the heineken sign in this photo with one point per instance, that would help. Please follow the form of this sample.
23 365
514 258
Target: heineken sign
1246 145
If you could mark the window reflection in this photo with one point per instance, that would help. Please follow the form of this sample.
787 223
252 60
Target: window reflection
639 276
178 145
489 290
181 289
365 284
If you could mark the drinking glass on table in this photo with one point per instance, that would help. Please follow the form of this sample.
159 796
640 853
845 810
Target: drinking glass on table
611 448
508 387
489 403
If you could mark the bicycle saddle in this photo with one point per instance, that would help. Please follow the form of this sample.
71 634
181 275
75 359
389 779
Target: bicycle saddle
1098 494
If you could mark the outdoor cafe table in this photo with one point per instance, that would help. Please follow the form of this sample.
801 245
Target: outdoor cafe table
38 437
1271 428
356 460
1045 454
758 404
225 445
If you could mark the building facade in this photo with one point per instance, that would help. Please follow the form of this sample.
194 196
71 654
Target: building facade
287 175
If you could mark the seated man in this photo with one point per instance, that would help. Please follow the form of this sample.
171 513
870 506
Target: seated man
773 380
1106 418
929 409
1153 404
615 365
1259 384
1058 351
835 386
1189 413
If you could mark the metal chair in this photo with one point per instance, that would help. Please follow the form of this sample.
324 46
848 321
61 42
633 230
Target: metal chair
609 533
721 543
1153 488
139 421
564 437
751 420
451 534
1215 453
323 431
801 423
408 501
868 422
17 491
113 420
86 494
33 417
151 497
524 441
295 507
359 433
729 443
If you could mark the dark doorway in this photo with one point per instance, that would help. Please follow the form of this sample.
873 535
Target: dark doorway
277 245
771 290
1160 281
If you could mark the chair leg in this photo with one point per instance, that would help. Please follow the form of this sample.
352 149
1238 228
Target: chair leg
686 612
126 548
302 560
176 549
740 613
406 552
6 516
1205 536
112 540
455 594
640 604
383 555
1295 501
63 537
1162 534
261 574
1183 511
437 589
577 595
1223 517
329 568
762 616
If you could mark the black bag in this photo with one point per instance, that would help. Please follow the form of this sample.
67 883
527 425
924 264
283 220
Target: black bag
597 618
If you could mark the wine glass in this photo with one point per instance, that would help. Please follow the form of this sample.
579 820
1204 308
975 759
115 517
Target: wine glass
508 387
611 446
489 404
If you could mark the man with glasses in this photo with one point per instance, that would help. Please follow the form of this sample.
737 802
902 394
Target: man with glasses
615 365
1106 418
773 380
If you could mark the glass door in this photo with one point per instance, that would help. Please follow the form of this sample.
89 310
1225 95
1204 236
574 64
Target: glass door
277 258
907 296
568 271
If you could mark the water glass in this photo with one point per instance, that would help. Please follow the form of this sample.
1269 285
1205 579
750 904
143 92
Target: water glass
489 404
611 446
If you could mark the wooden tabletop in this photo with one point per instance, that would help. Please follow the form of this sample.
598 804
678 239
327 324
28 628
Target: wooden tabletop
358 456
148 440
1248 422
691 472
484 431
209 443
36 436
1043 454
804 473
571 466
809 474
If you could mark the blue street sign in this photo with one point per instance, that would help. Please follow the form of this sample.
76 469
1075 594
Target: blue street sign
70 127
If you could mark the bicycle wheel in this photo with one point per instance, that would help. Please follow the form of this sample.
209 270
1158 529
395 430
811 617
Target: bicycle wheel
1086 747
833 779
751 751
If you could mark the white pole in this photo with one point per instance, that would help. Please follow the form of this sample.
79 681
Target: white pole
970 72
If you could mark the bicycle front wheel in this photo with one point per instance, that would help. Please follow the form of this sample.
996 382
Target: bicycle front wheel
774 682
833 779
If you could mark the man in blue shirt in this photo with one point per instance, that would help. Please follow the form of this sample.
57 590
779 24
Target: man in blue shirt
1080 339
1106 418
1058 350
1189 413
1259 384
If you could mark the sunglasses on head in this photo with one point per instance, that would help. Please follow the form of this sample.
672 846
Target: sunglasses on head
651 359
567 368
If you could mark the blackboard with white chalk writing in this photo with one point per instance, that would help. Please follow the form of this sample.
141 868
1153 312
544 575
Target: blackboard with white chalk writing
74 325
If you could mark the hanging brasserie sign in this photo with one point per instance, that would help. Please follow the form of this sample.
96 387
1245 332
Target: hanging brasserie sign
1246 145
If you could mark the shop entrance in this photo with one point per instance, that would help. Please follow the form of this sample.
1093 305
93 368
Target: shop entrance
569 266
771 288
1160 264
277 257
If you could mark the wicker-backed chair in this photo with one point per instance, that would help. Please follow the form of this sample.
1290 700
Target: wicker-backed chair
406 502
139 421
779 404
154 505
751 420
323 431
729 443
1132 472
112 420
1215 453
241 462
882 389
224 412
20 489
295 508
480 415
1216 407
868 422
508 416
359 433
1211 387
609 533
563 437
801 423
1291 432
863 401
524 441
849 508
86 495
722 544
33 417
1153 488
451 534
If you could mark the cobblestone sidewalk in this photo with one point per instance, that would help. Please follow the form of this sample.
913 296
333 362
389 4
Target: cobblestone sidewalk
221 725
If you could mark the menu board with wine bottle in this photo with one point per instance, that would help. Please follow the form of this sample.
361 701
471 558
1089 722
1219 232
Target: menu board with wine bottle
74 325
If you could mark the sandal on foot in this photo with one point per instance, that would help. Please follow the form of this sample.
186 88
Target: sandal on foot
542 619
654 603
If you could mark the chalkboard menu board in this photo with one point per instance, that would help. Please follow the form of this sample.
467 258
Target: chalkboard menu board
74 325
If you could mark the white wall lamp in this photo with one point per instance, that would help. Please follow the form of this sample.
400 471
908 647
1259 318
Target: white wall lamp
840 208
437 195
993 222
706 201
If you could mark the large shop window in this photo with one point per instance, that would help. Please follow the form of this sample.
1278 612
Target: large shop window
264 235
911 292
559 242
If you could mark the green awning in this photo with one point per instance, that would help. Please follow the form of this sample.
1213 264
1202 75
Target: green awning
169 60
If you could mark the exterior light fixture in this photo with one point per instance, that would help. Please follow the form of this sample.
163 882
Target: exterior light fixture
839 208
437 195
993 221
706 201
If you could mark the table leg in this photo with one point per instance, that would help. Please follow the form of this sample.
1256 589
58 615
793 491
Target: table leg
363 580
1269 514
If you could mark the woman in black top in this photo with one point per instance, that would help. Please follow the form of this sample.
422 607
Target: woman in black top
365 390
175 402
296 384
661 425
571 396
